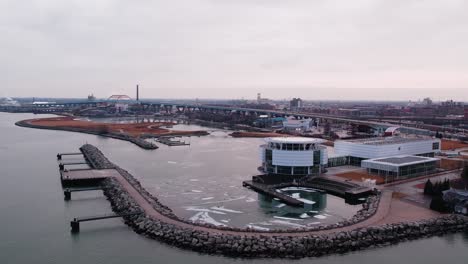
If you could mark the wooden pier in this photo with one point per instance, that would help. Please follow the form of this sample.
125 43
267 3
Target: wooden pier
75 223
59 155
86 176
167 141
67 192
265 189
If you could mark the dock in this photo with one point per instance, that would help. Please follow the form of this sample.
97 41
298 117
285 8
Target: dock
75 223
67 192
86 176
167 141
267 190
59 155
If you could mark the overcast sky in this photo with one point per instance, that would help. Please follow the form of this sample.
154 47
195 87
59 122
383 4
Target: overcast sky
315 49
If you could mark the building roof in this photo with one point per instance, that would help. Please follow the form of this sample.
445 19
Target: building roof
399 161
295 140
386 140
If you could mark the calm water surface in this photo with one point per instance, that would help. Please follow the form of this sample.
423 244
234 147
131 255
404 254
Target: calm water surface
34 222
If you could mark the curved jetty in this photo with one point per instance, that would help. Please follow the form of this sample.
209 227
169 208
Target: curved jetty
157 221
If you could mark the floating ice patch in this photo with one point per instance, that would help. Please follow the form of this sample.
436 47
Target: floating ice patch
304 215
281 205
276 199
204 217
296 189
287 218
305 201
227 200
296 195
207 198
203 210
314 212
320 216
221 208
281 222
194 180
251 200
196 191
258 227
265 223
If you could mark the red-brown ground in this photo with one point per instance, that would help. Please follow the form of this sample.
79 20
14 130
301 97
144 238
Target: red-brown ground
257 134
134 129
450 164
452 144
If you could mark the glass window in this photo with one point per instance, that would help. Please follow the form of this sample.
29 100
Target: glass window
284 170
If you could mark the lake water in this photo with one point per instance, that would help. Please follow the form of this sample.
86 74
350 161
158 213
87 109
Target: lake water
34 222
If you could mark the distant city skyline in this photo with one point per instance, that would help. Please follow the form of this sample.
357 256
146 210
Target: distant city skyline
317 50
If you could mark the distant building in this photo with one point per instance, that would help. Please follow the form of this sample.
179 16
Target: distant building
466 112
297 125
293 156
296 104
7 101
357 112
121 102
261 100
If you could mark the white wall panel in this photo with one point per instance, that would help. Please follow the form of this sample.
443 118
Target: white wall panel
385 150
293 158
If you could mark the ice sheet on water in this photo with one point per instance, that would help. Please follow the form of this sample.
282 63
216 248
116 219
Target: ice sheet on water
207 198
222 208
320 216
304 215
197 209
304 189
258 227
196 191
281 222
281 205
305 201
204 217
287 218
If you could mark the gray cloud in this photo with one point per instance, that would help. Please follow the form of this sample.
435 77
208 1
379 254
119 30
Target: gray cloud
224 48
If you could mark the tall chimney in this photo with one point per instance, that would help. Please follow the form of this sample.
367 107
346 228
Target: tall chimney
137 94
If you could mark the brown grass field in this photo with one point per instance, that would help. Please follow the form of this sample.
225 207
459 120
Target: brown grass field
134 129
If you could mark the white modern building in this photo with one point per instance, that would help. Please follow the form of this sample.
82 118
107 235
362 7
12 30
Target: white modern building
400 167
293 156
370 148
297 125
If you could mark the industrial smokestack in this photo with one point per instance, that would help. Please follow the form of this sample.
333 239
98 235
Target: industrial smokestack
137 94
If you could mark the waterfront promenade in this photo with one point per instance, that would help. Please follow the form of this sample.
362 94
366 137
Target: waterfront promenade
389 210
